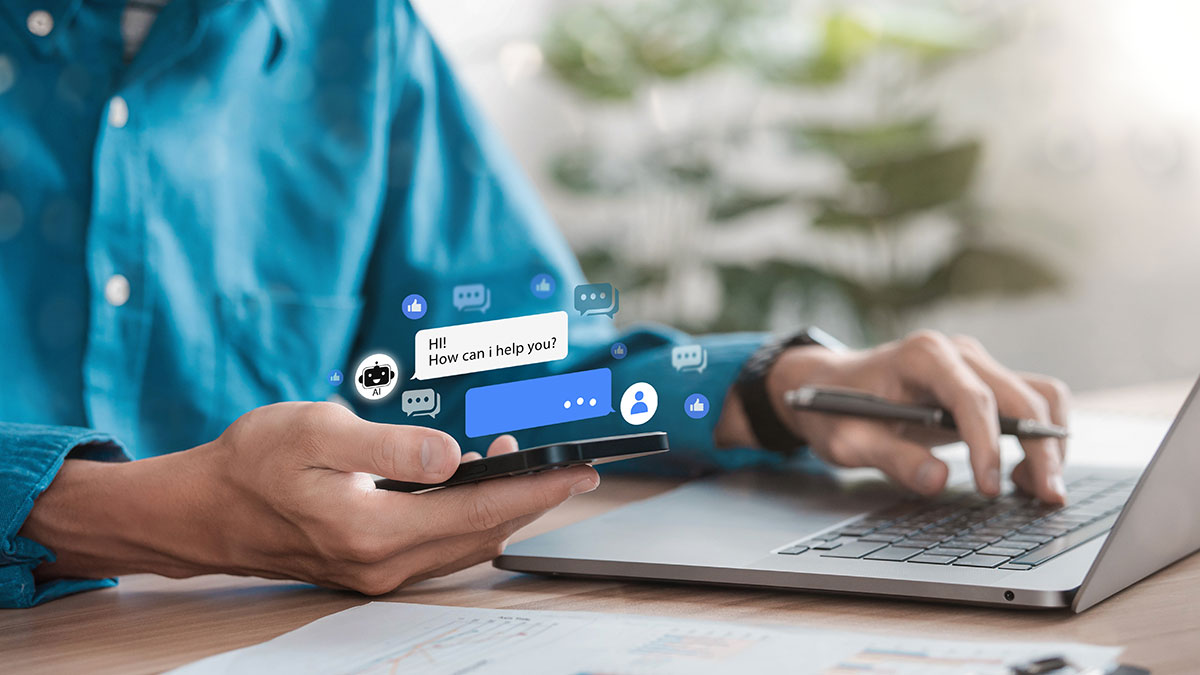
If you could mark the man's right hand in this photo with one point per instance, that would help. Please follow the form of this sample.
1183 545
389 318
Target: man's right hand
284 492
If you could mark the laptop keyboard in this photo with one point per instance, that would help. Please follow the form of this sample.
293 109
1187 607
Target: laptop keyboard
1011 532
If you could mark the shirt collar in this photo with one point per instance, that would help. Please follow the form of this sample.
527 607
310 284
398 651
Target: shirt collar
62 12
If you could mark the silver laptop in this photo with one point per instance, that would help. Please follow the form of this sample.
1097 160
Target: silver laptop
824 531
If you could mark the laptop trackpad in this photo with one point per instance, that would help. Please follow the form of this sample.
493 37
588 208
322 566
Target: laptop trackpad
730 520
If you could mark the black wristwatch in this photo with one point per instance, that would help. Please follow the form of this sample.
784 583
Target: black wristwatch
751 384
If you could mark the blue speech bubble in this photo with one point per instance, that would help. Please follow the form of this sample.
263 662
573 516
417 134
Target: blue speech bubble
421 402
472 298
595 299
512 406
689 357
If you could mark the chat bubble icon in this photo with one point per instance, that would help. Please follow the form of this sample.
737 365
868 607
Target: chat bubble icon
597 299
472 298
419 402
538 402
488 345
689 357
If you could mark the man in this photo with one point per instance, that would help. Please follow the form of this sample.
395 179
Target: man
216 224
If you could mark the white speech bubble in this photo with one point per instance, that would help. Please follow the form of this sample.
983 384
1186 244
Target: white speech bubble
488 345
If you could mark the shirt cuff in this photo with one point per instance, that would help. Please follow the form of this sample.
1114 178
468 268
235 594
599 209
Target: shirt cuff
692 450
30 457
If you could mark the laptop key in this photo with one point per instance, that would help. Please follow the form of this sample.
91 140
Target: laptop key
794 550
930 559
947 551
961 542
1013 566
854 549
1017 544
896 553
917 543
1083 535
997 550
1035 539
1047 530
977 560
832 543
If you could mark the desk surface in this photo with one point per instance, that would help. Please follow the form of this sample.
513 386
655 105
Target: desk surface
150 623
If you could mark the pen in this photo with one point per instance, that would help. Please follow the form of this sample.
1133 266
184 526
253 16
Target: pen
861 404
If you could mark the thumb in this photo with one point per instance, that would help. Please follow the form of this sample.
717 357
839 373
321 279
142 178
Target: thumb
404 453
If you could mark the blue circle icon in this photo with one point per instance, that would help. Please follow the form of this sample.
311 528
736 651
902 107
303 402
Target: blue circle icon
542 286
696 406
414 306
619 350
335 377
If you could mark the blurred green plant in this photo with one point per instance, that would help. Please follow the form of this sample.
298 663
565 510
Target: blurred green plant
896 166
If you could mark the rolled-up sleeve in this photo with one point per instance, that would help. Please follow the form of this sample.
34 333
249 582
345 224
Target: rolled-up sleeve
459 210
30 457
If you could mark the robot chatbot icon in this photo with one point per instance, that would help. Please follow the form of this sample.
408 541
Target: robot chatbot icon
376 376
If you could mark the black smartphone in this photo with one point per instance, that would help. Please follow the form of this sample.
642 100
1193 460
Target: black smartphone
543 457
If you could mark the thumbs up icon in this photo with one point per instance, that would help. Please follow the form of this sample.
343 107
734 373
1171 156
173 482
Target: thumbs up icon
414 306
542 286
696 406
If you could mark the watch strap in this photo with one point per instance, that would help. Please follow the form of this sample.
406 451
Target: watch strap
772 433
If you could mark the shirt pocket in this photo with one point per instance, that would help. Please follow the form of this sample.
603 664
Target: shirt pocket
281 347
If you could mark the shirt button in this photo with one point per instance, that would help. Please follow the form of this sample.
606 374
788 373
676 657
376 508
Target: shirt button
118 112
116 290
40 23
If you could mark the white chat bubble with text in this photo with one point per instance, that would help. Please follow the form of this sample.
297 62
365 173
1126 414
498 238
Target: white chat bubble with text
488 345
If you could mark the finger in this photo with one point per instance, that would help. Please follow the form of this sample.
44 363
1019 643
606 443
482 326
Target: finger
432 558
484 553
1015 398
502 446
406 453
931 362
483 506
904 461
1058 395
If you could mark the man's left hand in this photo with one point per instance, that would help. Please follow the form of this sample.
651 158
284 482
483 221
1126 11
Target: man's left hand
956 373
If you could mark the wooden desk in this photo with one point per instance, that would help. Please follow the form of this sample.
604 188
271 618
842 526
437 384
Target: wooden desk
149 623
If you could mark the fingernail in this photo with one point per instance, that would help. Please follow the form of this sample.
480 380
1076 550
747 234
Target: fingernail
585 485
434 459
927 476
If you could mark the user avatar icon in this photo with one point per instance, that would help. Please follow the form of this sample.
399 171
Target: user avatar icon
376 376
639 403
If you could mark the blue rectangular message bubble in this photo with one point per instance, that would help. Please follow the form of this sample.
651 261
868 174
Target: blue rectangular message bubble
512 406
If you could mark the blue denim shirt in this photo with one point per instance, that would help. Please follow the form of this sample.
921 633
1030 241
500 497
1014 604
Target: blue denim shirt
240 210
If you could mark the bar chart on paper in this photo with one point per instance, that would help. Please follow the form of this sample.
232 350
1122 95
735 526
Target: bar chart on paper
382 638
